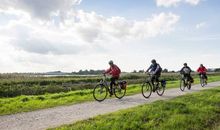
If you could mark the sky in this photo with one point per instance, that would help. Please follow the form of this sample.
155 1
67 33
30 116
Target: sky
70 35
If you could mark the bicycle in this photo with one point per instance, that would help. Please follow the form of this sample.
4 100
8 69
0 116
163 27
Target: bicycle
148 87
185 82
102 89
203 81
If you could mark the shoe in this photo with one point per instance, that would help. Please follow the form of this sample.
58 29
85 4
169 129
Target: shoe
154 89
111 93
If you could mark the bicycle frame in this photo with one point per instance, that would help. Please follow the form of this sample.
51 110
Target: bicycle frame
148 80
185 79
104 82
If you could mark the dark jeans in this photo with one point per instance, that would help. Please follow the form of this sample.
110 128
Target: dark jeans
205 76
188 76
112 79
155 78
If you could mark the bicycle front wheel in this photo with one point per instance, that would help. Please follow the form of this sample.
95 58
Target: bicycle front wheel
189 85
100 92
202 82
160 90
182 85
146 90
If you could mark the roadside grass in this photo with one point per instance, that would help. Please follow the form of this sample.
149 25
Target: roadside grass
30 103
198 111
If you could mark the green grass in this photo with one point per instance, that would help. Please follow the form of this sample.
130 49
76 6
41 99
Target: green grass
31 103
198 111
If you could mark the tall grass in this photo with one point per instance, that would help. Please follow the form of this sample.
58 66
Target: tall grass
29 103
12 86
200 111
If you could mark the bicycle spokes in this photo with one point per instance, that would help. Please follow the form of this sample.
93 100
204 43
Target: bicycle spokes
100 92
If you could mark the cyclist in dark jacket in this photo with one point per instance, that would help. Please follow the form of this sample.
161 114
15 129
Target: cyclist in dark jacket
186 71
155 70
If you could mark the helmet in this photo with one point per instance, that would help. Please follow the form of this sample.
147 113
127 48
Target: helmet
153 61
110 62
185 64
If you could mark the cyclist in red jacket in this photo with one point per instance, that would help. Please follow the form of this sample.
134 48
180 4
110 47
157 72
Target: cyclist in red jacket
202 71
114 71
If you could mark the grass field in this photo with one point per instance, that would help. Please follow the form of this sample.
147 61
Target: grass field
29 103
199 111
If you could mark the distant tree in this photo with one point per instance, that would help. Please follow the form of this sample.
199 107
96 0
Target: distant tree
141 71
217 70
165 71
134 71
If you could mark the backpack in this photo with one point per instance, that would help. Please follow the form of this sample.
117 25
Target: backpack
160 69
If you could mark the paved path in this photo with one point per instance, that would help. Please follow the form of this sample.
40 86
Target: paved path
52 117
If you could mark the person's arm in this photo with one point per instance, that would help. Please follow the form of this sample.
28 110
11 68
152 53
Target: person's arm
148 69
205 69
107 71
190 70
181 71
198 70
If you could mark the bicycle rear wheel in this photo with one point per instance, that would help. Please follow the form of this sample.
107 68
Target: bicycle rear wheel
146 90
160 90
182 85
100 92
119 92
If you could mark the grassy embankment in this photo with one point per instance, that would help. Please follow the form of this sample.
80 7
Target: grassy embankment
29 103
198 111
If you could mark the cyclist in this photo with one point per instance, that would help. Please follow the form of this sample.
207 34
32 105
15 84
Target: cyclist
186 71
114 71
202 71
155 70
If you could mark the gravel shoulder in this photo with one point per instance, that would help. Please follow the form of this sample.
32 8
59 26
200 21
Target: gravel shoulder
52 117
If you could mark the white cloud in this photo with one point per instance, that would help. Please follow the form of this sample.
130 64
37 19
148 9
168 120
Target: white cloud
193 2
42 9
61 40
82 30
200 25
169 3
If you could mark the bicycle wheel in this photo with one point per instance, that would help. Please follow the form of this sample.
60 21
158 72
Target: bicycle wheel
189 85
202 82
100 92
119 92
146 90
160 90
182 85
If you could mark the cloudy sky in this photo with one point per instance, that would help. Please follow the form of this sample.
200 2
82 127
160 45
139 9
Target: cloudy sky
69 35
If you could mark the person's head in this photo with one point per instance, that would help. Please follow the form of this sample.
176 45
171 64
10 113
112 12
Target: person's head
201 65
185 64
153 61
110 63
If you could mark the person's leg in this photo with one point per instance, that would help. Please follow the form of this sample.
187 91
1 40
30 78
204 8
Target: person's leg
112 79
157 80
205 75
152 79
206 78
157 77
191 78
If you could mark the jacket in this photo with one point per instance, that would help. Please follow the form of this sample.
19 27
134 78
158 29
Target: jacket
114 71
202 70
